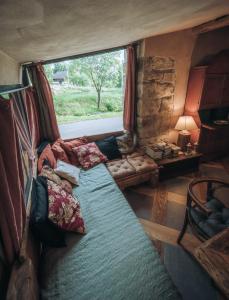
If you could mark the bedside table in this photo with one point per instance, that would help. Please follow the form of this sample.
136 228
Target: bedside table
183 164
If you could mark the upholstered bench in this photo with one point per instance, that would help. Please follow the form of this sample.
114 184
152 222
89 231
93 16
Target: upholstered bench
133 169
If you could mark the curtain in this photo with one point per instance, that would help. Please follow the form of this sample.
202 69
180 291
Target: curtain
33 118
12 207
44 102
19 137
129 114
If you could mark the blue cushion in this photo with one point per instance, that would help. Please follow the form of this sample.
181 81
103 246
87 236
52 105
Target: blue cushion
109 147
213 223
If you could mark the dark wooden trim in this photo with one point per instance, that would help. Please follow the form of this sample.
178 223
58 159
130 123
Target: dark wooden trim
14 90
96 137
212 25
60 59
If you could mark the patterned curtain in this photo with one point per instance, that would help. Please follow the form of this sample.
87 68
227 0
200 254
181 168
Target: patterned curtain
129 114
19 136
44 101
12 206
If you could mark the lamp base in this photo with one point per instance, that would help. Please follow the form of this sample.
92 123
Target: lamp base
183 139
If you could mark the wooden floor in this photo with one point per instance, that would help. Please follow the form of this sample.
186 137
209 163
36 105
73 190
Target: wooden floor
161 210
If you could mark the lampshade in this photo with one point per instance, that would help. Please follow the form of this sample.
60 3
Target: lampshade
186 123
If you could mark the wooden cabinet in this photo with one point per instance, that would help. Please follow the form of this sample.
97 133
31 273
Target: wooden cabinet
207 100
214 141
225 96
213 91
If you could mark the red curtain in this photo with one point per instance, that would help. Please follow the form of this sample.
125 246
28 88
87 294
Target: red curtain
44 102
12 207
33 117
129 97
19 137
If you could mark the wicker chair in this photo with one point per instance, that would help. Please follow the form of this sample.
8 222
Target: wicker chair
207 210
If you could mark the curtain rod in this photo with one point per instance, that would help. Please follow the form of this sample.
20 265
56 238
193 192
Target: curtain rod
15 90
51 61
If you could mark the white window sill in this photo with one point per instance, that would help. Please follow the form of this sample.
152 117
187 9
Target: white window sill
91 128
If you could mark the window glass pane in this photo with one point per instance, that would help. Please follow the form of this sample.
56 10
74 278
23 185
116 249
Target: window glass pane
88 93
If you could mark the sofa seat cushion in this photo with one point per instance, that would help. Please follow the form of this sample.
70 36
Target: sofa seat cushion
142 163
120 168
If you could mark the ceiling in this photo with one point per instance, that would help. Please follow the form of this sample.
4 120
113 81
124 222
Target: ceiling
33 30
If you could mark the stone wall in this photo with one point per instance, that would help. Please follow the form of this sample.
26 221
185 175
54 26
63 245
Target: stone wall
155 98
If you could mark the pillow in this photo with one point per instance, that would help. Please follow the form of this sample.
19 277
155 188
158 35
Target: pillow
66 185
89 155
109 148
59 152
41 147
42 228
67 171
64 210
46 154
126 142
50 174
68 146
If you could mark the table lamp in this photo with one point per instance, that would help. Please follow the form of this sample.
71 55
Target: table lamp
184 124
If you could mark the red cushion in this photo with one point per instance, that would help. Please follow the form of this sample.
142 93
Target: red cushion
46 154
59 152
68 146
64 210
89 155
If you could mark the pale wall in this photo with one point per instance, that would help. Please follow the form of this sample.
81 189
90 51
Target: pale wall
9 70
210 43
179 46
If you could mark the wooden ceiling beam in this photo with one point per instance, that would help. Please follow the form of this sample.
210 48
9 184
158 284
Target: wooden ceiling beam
212 25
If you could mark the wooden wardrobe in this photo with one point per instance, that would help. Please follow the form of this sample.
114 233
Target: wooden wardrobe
207 100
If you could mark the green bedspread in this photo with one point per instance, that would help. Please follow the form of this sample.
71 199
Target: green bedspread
114 260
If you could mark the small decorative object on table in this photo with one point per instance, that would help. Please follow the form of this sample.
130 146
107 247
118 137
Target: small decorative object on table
175 150
188 149
195 145
184 124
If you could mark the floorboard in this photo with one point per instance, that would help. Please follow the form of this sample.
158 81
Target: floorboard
161 213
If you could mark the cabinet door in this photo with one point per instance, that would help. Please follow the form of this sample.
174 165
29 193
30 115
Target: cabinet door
213 91
225 97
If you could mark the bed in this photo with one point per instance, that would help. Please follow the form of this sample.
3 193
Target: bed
114 260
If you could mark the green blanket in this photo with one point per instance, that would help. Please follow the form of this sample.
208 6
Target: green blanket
114 260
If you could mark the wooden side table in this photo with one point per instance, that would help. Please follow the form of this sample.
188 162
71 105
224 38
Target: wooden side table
170 167
213 256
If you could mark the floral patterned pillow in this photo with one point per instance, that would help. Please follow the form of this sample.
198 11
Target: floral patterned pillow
89 155
50 174
64 210
68 146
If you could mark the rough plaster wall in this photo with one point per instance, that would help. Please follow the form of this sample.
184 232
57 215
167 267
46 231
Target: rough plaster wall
41 29
177 46
9 70
210 43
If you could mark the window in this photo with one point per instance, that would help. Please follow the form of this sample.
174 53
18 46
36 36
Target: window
88 93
